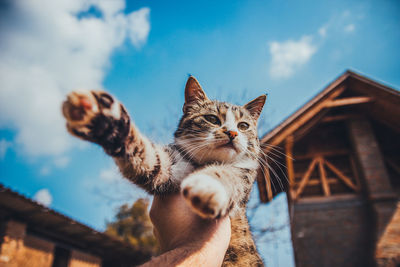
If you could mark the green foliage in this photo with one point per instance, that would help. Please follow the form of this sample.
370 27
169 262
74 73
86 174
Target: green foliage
132 224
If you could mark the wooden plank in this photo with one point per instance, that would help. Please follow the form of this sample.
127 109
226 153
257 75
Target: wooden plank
324 182
342 117
349 101
341 176
331 153
303 118
330 180
305 178
289 158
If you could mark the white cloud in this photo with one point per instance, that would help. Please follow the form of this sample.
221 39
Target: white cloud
4 146
346 13
61 162
44 197
349 28
115 189
290 55
322 31
47 51
45 170
139 26
110 175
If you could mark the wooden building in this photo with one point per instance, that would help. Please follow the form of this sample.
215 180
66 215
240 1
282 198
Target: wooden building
338 158
36 236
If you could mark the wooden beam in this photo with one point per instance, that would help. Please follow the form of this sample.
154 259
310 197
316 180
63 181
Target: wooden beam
305 178
331 153
341 176
324 182
289 158
304 118
342 117
330 180
349 101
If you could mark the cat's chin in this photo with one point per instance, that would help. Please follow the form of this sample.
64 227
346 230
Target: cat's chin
220 154
226 149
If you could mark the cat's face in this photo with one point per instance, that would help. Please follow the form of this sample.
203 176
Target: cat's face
212 131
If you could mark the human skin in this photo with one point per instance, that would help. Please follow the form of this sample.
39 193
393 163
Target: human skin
186 239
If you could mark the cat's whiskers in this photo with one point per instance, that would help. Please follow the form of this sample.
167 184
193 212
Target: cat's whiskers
191 148
278 164
259 159
266 165
276 149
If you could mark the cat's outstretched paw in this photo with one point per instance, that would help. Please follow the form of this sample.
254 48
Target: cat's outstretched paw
205 195
97 117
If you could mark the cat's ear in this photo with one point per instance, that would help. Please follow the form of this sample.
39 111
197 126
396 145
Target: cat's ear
255 106
193 92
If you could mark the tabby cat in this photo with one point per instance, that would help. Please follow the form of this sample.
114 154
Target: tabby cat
213 161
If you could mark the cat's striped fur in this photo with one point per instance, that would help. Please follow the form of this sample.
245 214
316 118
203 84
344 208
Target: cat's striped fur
213 161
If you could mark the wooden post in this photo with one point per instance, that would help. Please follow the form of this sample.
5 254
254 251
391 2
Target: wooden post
261 185
267 181
289 159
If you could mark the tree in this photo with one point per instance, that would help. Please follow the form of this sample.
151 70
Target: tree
132 224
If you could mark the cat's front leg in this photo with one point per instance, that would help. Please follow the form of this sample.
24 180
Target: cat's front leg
98 117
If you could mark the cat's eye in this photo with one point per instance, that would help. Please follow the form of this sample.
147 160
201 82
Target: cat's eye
243 126
212 119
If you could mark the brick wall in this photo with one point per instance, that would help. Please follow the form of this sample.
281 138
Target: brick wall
81 259
19 249
331 232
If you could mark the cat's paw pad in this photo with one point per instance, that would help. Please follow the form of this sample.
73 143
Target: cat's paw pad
97 117
82 106
79 108
205 195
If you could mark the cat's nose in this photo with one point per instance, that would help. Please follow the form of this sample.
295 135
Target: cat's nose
231 134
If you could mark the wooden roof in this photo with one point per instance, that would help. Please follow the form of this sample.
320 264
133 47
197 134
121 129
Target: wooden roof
64 231
387 103
372 99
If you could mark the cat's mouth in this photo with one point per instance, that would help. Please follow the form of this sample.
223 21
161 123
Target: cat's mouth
228 145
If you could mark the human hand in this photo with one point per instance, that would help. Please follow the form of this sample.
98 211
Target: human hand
184 237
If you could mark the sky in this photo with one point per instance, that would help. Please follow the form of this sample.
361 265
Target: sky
142 52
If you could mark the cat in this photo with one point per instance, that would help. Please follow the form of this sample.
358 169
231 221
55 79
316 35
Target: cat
213 161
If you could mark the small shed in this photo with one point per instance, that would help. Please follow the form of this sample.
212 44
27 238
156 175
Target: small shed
338 159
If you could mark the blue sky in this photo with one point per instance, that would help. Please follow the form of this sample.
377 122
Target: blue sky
142 52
